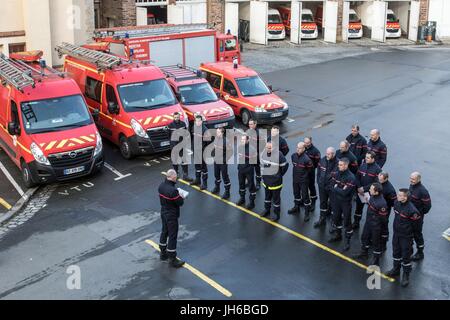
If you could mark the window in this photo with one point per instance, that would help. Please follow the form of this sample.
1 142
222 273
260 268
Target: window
199 93
14 113
1 48
16 47
93 89
230 44
228 86
214 80
111 95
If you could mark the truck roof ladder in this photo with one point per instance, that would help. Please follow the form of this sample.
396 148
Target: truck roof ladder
13 75
146 31
180 72
100 59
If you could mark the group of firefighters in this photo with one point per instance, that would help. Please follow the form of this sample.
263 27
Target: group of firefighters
350 175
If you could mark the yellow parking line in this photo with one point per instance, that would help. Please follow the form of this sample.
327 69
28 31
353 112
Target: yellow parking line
202 276
5 204
292 232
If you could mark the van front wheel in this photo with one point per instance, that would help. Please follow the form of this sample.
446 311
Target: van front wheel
125 148
26 176
246 117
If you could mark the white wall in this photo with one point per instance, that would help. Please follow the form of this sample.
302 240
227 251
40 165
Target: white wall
244 11
194 12
440 12
12 18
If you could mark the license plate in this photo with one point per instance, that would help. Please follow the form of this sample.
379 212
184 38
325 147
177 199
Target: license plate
221 125
276 114
165 143
73 170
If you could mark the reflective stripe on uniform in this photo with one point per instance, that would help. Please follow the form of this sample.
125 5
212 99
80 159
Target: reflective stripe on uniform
272 188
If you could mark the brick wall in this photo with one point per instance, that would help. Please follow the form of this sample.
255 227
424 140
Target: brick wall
128 13
339 20
424 7
216 14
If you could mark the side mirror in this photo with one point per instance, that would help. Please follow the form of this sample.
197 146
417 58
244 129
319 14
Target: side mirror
218 94
233 92
178 95
270 87
113 108
359 21
95 114
13 128
398 20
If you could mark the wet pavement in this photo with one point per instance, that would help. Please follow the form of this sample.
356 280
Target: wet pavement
100 224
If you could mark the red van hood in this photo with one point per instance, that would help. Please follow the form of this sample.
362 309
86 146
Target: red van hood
309 25
157 118
216 110
268 101
67 140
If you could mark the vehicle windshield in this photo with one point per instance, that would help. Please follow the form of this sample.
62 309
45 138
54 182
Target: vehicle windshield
252 86
230 44
56 114
391 17
197 94
274 18
307 18
146 95
353 17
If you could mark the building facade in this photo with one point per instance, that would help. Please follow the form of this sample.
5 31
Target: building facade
43 24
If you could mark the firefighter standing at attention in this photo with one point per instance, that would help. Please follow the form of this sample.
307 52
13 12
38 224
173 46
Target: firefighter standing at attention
257 141
247 159
171 201
222 153
177 124
314 154
358 144
273 167
199 132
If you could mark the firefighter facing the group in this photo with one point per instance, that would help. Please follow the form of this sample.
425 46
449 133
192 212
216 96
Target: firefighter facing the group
280 141
314 154
171 201
302 166
376 145
377 214
222 153
358 144
176 125
328 166
344 152
406 215
199 132
247 159
257 141
422 201
367 174
390 195
343 192
274 166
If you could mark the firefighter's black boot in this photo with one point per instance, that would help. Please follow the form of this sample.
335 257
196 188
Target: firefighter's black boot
307 213
395 271
322 221
258 184
376 260
265 213
163 256
418 256
294 210
312 207
176 263
196 182
276 217
355 225
405 278
241 200
226 194
347 244
337 236
363 254
187 178
251 204
204 185
216 189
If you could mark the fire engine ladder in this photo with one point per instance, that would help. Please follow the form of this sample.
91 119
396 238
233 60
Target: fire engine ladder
100 59
150 31
13 75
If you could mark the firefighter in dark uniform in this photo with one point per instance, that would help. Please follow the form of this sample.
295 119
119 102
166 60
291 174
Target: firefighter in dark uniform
344 152
314 154
257 141
377 214
171 201
273 167
301 168
275 136
390 195
326 170
358 144
406 215
367 174
422 201
247 159
199 132
177 124
343 191
376 145
222 153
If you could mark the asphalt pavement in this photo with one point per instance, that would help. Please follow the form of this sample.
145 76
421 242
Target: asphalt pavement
104 225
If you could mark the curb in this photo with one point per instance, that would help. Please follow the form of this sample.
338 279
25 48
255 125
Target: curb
18 206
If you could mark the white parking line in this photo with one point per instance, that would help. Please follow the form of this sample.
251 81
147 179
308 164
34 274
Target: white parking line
13 182
119 175
289 120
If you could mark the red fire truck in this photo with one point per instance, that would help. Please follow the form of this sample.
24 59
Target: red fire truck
168 45
134 101
45 125
197 97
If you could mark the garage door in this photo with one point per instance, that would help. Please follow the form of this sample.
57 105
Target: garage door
141 16
258 22
232 18
167 53
175 14
345 20
296 9
379 21
331 12
198 50
414 20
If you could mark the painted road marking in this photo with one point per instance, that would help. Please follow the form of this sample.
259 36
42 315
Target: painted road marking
5 204
446 234
13 182
119 175
199 274
292 232
289 120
